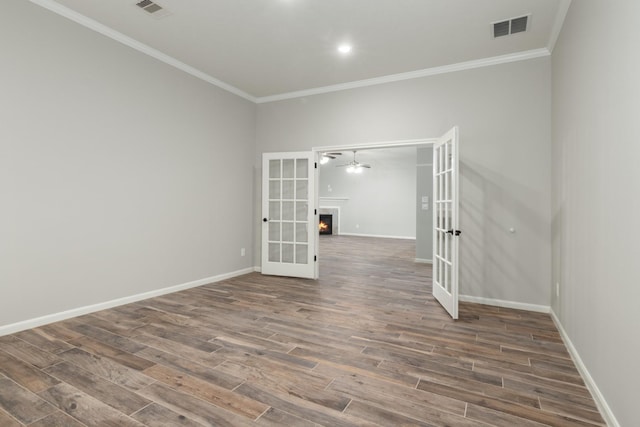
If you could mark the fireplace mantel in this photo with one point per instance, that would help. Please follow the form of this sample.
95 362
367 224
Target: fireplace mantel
337 199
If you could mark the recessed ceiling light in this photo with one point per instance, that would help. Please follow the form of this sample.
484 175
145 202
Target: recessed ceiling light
344 48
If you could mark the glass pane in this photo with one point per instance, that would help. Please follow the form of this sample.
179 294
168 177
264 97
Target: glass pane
274 252
301 232
445 182
274 231
441 187
274 168
288 168
301 211
445 250
445 268
274 211
302 168
287 232
287 189
301 254
287 252
302 189
287 211
274 190
447 216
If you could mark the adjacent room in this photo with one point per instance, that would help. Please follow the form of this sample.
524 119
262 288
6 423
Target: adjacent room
164 165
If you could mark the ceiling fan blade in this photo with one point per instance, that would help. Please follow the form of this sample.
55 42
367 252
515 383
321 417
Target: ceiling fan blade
331 155
363 165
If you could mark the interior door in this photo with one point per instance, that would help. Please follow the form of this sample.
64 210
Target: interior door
289 222
445 221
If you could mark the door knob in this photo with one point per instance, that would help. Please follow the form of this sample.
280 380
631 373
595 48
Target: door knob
265 220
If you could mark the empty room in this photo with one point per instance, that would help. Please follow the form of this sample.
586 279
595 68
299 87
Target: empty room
319 213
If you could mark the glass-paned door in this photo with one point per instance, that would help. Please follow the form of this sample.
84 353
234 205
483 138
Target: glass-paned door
445 221
289 226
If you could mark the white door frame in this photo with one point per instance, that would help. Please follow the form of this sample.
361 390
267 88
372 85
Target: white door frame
427 142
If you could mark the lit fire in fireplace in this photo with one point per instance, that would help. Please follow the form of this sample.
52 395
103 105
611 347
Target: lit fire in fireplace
325 224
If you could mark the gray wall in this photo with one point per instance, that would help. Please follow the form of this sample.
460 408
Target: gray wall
381 200
504 120
596 183
424 217
118 174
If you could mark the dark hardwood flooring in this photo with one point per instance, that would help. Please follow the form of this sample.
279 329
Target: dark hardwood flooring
365 345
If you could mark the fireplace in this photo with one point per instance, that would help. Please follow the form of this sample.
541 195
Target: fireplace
326 224
334 213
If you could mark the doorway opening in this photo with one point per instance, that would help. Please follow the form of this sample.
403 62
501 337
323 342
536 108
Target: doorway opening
385 199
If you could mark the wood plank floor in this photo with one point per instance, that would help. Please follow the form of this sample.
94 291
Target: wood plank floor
365 345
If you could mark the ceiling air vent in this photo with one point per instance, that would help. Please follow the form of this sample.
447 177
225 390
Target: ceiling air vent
153 9
510 26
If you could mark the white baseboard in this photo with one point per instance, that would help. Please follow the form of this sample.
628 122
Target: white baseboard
505 304
424 261
602 404
377 235
257 269
56 317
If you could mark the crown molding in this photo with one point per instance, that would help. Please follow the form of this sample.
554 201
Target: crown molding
461 66
563 8
141 47
169 60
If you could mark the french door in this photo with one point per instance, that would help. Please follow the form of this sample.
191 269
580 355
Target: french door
445 221
289 222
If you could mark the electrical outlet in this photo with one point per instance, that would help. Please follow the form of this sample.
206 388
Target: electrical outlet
243 252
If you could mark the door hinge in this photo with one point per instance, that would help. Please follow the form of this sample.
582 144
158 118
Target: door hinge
315 165
315 211
315 257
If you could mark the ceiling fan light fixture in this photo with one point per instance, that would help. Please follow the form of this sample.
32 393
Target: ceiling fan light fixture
355 166
324 160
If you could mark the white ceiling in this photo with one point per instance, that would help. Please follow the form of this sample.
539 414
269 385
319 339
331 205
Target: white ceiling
273 49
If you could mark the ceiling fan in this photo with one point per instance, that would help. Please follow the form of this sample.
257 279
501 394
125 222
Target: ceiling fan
355 166
324 159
